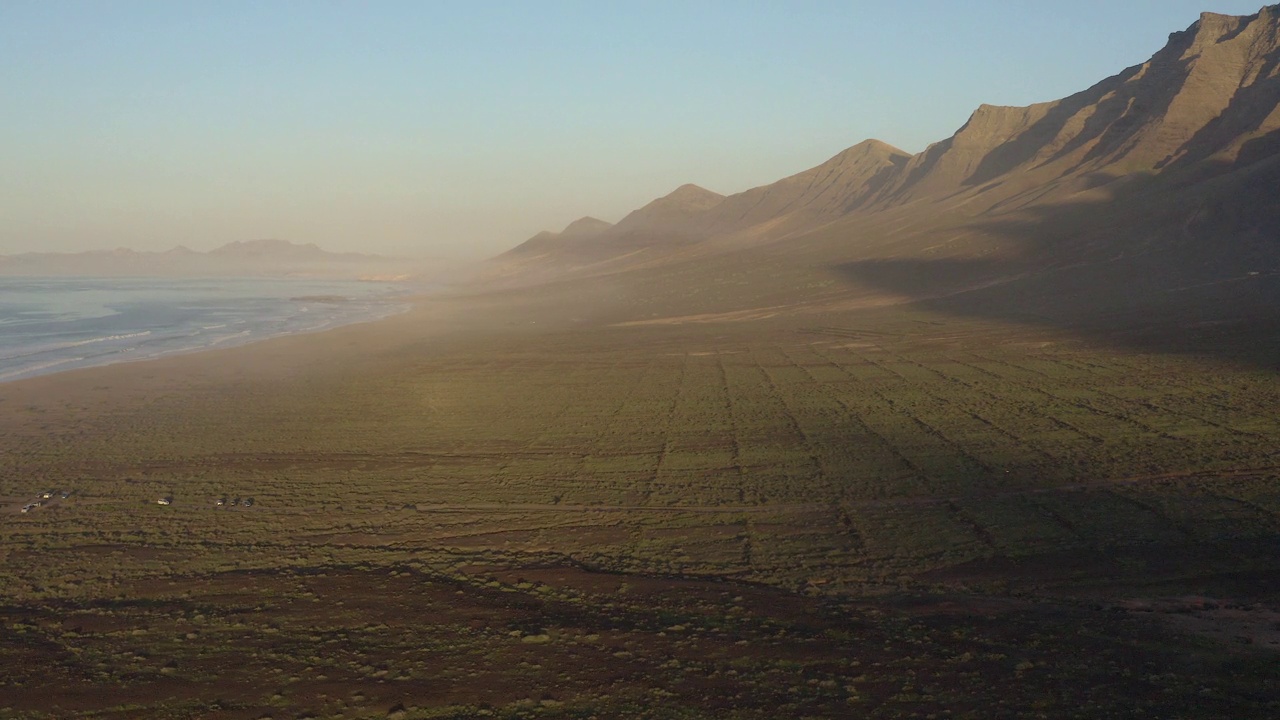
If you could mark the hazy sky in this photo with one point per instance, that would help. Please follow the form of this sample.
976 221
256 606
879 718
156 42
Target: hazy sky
462 128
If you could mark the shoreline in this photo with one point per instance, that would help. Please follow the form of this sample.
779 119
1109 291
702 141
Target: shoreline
401 301
84 402
122 384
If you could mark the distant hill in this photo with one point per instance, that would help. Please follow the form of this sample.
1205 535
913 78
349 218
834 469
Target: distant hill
837 187
581 229
241 258
585 227
671 218
542 255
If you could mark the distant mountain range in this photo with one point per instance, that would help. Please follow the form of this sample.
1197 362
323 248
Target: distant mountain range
243 258
1164 176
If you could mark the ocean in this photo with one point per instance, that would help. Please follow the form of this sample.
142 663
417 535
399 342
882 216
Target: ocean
50 325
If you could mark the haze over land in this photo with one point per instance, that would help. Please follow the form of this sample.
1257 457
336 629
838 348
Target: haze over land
236 259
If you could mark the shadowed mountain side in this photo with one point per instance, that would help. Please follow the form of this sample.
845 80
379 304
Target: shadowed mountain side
1211 88
1142 212
1162 264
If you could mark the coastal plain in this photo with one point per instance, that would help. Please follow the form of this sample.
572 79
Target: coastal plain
491 507
985 431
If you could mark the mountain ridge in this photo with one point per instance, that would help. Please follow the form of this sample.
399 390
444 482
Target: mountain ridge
1200 106
669 216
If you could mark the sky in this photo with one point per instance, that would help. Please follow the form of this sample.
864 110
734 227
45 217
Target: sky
426 128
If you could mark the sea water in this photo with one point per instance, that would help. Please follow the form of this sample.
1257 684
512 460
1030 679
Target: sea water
53 324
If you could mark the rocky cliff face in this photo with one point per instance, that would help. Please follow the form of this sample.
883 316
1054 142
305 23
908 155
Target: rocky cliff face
1205 95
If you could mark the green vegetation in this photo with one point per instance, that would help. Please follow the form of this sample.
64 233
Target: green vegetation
880 515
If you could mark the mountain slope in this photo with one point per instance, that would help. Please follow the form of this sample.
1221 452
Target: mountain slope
592 245
584 228
670 218
690 214
836 187
1168 171
1211 89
